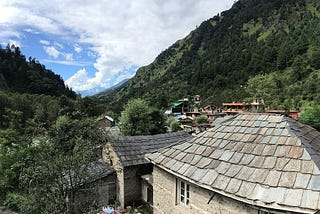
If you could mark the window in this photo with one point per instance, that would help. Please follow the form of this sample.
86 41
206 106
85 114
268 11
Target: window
182 192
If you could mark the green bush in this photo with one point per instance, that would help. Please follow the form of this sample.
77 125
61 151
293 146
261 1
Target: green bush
202 119
15 202
175 126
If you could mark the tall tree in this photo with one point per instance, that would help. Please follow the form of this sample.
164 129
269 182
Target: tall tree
311 116
61 166
138 118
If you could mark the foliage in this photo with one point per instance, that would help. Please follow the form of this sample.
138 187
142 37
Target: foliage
15 202
40 111
138 118
72 146
47 140
15 155
19 75
202 119
311 116
169 120
175 126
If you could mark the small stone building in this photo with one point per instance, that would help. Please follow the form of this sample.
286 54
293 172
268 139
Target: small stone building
96 188
251 163
126 156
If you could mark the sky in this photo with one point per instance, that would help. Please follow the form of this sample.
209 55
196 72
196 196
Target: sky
94 45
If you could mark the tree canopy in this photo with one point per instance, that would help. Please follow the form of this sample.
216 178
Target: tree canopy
138 118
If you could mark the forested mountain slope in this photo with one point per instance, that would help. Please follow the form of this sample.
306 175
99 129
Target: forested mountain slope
267 49
22 76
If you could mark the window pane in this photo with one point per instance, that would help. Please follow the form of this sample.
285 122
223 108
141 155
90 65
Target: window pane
182 198
183 192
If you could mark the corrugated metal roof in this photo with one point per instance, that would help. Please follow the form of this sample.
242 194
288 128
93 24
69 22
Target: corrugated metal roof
261 159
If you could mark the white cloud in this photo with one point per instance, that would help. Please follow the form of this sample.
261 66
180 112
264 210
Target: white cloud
7 12
15 43
77 48
79 81
52 51
120 33
68 56
57 44
44 42
65 62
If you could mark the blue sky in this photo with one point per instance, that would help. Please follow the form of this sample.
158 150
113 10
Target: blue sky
94 45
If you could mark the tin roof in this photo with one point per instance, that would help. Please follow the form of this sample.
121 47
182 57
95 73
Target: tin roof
132 149
266 160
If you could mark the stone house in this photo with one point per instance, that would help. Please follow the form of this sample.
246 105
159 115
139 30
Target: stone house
95 188
250 163
126 155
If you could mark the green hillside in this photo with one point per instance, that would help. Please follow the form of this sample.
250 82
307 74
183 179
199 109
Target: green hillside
258 48
28 76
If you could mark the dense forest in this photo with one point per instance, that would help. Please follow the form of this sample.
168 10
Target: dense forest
22 76
258 49
48 135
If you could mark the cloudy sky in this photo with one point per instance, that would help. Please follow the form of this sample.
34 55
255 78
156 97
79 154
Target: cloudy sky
96 44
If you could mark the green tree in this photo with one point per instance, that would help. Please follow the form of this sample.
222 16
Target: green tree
263 87
138 118
15 155
311 116
72 146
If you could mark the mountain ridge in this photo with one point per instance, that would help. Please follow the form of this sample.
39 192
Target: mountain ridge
274 39
29 76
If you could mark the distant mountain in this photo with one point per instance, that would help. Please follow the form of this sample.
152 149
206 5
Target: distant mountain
22 76
258 48
104 94
91 92
99 91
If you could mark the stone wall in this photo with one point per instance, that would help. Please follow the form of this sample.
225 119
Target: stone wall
111 159
201 200
96 194
133 183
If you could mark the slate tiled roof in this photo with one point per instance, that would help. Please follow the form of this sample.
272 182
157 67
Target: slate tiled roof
93 171
260 159
131 149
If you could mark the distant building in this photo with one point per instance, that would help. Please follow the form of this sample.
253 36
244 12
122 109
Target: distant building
240 107
234 107
181 106
106 122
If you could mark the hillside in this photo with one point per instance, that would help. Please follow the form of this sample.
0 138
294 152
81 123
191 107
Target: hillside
22 76
264 49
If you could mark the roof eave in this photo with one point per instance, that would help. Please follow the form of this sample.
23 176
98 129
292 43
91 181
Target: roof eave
249 202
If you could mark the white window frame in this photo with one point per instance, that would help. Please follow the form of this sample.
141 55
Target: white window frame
183 192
